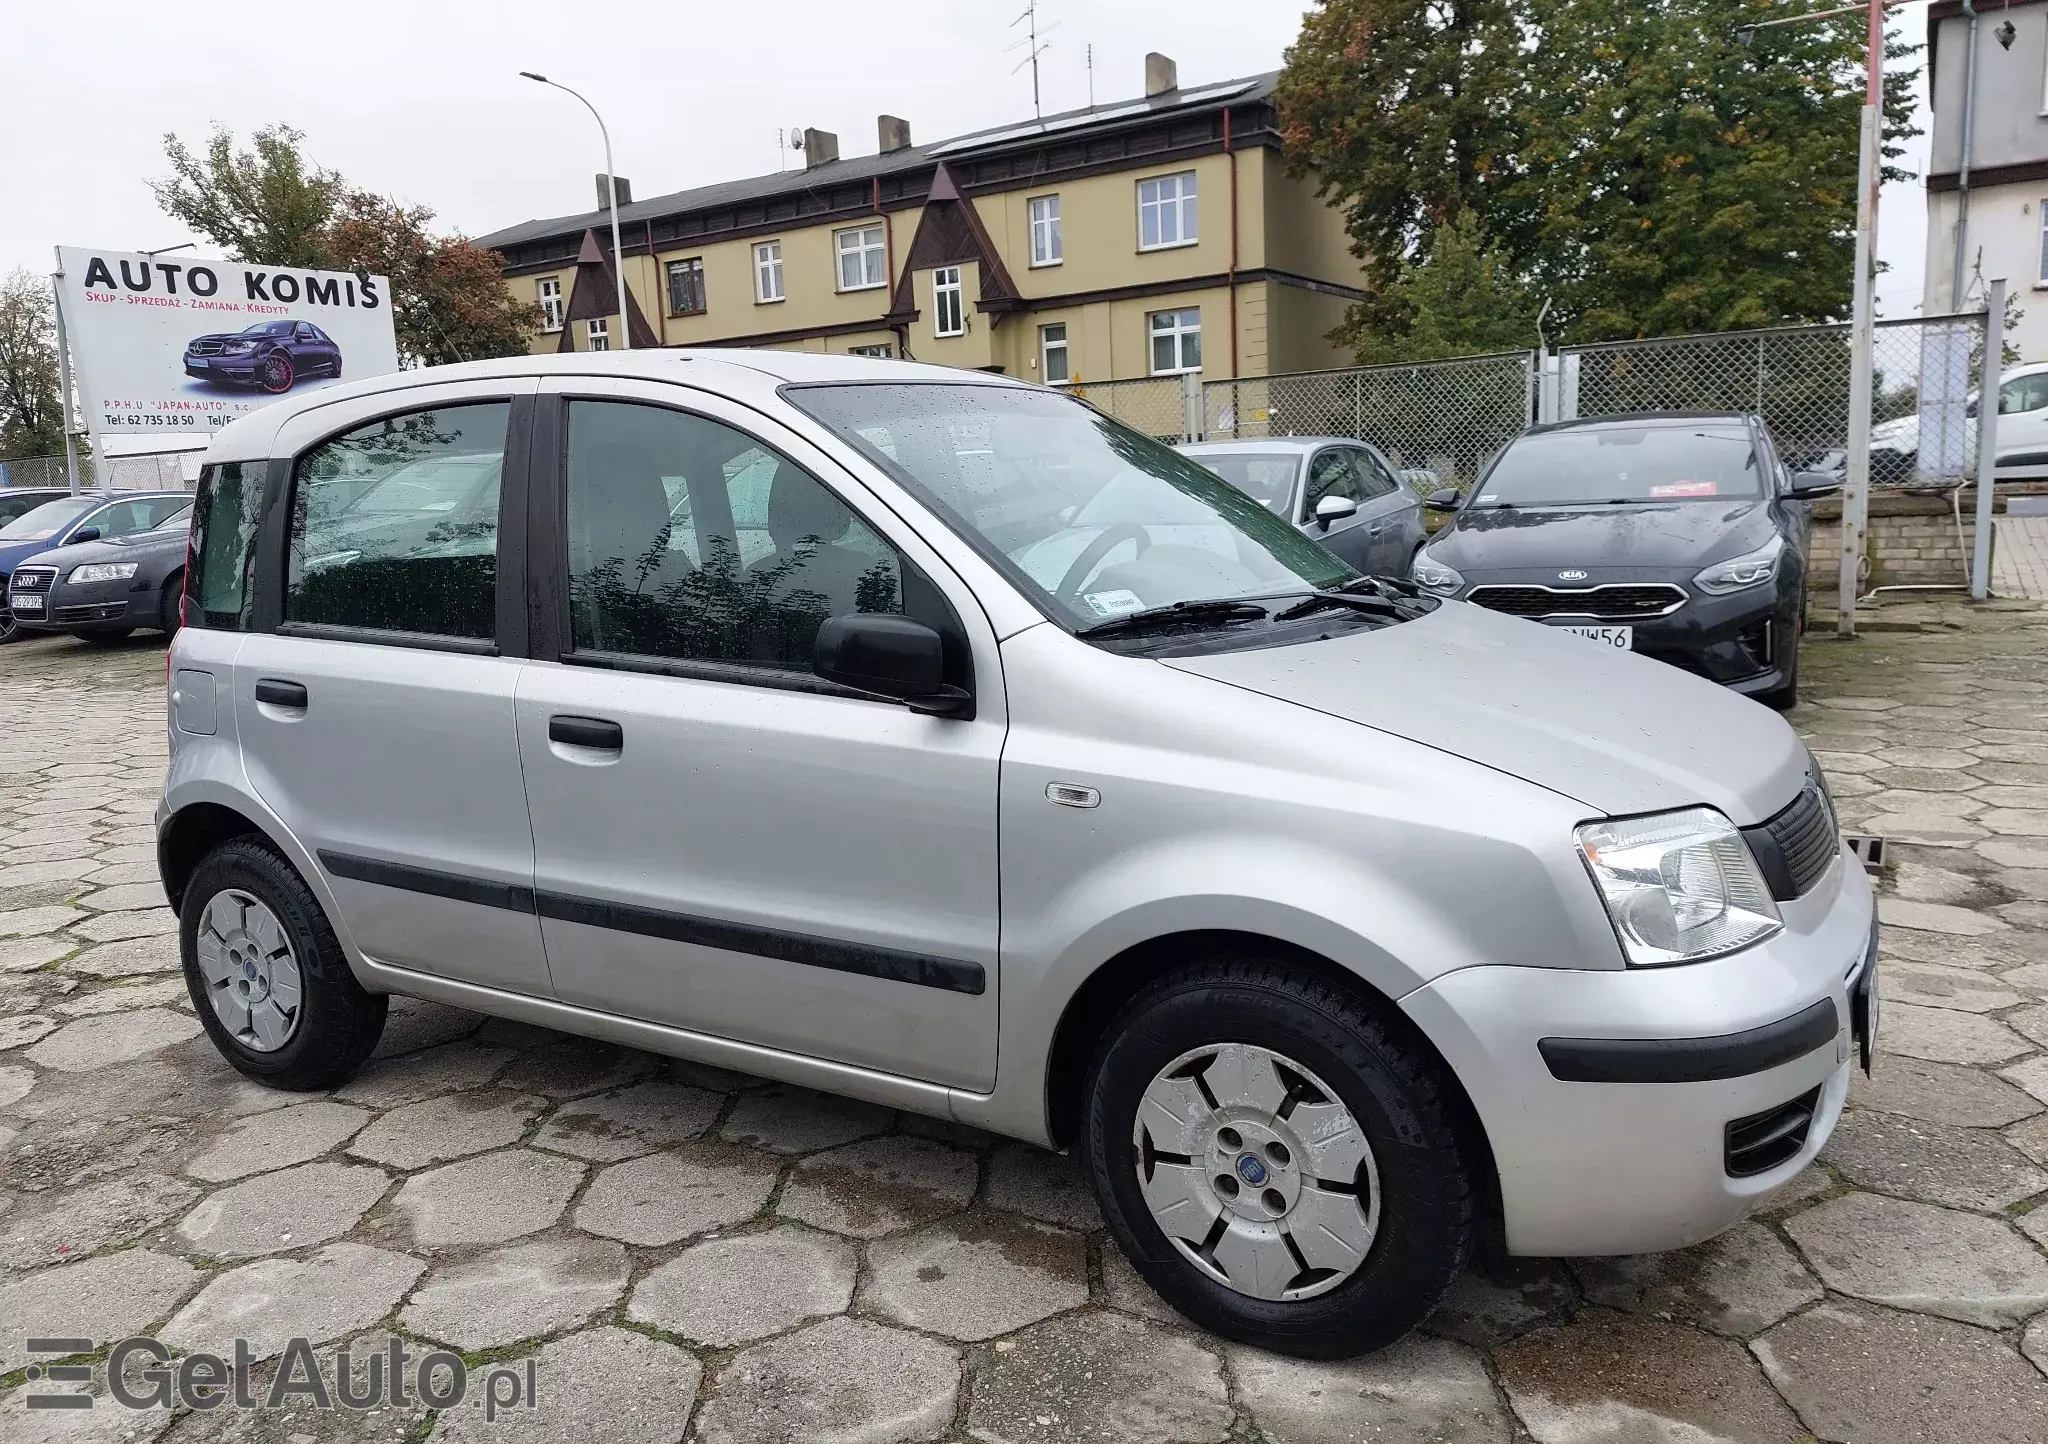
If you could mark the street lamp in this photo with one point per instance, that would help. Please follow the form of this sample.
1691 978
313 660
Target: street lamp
611 181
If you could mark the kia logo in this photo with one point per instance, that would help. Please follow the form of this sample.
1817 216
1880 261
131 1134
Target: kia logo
1574 575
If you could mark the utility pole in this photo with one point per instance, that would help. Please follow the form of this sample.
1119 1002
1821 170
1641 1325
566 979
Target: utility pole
1856 483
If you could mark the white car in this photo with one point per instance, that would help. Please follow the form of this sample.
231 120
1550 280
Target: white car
2022 431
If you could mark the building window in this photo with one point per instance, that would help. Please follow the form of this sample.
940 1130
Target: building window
1052 353
880 351
767 272
1166 211
551 303
947 319
863 264
599 331
1045 230
686 287
1176 341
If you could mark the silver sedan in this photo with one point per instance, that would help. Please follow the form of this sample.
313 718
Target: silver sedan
1339 491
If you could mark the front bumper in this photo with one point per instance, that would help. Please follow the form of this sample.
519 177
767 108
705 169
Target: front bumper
86 607
221 368
1598 1167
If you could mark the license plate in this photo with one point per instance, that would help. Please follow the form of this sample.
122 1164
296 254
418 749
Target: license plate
27 604
1622 639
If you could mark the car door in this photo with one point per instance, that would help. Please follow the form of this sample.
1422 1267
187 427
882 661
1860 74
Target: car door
725 843
1332 472
1392 514
375 701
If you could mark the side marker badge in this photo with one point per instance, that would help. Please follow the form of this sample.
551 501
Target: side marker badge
1067 794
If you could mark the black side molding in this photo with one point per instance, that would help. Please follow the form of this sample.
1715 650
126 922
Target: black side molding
407 878
1692 1060
815 952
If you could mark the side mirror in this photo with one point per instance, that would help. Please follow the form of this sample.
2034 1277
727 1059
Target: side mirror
1814 483
1334 508
1442 499
892 657
83 534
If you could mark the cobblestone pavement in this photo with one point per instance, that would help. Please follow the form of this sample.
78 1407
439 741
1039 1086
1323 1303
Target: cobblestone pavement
2019 567
696 1254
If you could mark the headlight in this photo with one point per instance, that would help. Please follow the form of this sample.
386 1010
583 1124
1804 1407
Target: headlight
1434 575
1679 886
104 572
238 348
1748 570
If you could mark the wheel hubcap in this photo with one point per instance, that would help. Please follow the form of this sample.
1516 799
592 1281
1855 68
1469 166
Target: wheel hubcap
1256 1172
251 973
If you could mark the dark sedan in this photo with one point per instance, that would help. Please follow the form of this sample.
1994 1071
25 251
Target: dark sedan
271 355
103 590
1683 537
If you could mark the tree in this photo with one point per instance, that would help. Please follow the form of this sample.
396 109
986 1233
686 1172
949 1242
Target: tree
1462 299
448 297
31 416
267 206
1628 162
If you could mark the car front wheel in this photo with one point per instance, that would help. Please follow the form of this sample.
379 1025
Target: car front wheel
266 974
1281 1159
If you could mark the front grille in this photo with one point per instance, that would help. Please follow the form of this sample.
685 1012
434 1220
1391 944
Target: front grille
206 348
1794 848
1762 1141
1616 600
32 579
95 612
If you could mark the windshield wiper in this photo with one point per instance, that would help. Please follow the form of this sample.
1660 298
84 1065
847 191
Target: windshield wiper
1152 618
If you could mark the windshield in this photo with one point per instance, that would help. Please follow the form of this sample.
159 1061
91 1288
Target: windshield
1093 519
1623 464
261 328
1266 477
48 519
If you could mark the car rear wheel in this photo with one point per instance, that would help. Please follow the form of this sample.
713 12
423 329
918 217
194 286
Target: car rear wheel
170 606
276 373
1280 1159
267 976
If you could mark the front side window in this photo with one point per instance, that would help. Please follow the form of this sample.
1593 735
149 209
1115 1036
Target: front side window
550 303
1052 350
48 519
225 515
691 541
1176 341
1331 474
125 518
767 272
947 317
1598 465
1373 475
1166 211
2023 393
394 526
686 287
1045 230
598 333
1090 518
862 258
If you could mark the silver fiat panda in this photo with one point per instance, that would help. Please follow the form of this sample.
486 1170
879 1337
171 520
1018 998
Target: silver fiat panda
929 737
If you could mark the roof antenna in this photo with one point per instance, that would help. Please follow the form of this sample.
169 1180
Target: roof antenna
1034 50
1090 48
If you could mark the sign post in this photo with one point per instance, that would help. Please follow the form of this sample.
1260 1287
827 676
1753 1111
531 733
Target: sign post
65 393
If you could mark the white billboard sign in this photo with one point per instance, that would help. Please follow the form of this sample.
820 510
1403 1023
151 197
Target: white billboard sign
172 348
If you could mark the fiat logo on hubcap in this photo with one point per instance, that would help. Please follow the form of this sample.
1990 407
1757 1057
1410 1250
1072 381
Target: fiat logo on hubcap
1251 1170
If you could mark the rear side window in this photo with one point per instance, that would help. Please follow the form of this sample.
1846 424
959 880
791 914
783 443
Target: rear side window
225 515
395 525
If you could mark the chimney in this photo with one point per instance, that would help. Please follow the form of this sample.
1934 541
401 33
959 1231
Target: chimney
1161 75
604 194
821 147
894 132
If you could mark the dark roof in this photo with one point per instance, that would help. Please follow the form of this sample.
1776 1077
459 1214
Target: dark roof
1643 418
1113 115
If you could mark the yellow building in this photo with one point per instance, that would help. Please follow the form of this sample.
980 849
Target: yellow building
1141 238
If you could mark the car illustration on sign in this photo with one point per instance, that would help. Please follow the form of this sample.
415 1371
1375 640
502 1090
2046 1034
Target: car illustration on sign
271 355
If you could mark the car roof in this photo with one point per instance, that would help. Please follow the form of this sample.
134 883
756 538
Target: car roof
746 375
1639 419
1276 445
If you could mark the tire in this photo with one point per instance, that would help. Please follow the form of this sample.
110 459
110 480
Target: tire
10 630
1415 1186
104 638
1785 696
277 373
169 607
335 1022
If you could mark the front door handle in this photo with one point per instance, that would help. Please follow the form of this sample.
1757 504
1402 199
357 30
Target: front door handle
587 732
280 693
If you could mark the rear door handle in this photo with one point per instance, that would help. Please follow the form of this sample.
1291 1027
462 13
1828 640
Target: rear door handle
279 693
587 732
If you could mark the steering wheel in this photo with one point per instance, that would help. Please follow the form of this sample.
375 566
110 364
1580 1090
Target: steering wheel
1091 556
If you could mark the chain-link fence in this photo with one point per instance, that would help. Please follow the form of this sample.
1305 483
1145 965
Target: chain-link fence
1924 371
1155 405
38 471
165 471
1445 417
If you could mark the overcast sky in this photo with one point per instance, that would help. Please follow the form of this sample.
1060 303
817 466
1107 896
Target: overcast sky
422 100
